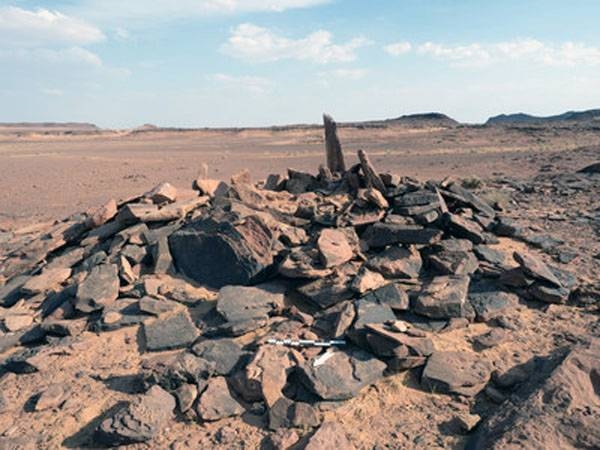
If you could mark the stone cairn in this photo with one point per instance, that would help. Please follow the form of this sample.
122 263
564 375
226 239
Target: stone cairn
376 261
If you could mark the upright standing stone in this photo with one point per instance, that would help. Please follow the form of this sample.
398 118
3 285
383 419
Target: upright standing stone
371 176
335 157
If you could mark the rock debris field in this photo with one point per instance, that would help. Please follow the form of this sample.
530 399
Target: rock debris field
269 305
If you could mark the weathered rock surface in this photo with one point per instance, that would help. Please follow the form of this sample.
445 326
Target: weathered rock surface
138 421
224 354
342 375
247 308
166 333
334 248
397 262
455 373
244 249
444 297
558 408
99 289
216 402
383 234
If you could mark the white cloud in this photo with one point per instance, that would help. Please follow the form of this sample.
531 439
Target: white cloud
254 43
72 55
257 85
532 50
398 48
52 92
349 74
174 9
23 28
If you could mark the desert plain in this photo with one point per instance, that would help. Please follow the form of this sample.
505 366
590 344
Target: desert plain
541 352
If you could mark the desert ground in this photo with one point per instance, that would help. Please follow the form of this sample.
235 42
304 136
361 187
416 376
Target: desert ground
542 385
49 175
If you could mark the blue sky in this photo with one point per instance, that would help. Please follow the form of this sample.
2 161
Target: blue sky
253 62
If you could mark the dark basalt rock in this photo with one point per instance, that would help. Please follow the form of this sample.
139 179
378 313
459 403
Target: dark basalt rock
223 253
217 402
343 375
224 354
463 228
384 234
490 302
99 289
247 308
170 332
445 297
455 373
391 295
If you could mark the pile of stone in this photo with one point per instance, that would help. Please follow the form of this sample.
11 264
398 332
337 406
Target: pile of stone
379 261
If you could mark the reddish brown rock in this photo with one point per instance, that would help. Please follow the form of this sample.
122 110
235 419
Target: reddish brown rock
216 402
103 214
163 193
334 248
330 435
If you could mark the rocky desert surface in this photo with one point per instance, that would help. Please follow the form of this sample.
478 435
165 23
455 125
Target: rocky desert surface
385 285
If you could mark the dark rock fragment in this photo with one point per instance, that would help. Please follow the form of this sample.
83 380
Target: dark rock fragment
342 375
170 332
455 373
384 234
216 402
138 421
444 297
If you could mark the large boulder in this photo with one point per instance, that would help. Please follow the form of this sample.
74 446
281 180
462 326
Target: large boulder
225 252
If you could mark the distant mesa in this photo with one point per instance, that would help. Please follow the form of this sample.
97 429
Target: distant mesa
432 118
75 126
421 120
522 118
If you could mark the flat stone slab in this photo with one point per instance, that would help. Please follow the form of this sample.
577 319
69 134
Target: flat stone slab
170 332
397 262
444 297
99 289
342 375
392 295
536 268
384 234
224 354
216 402
334 248
326 292
49 279
455 373
490 303
463 228
453 262
241 303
